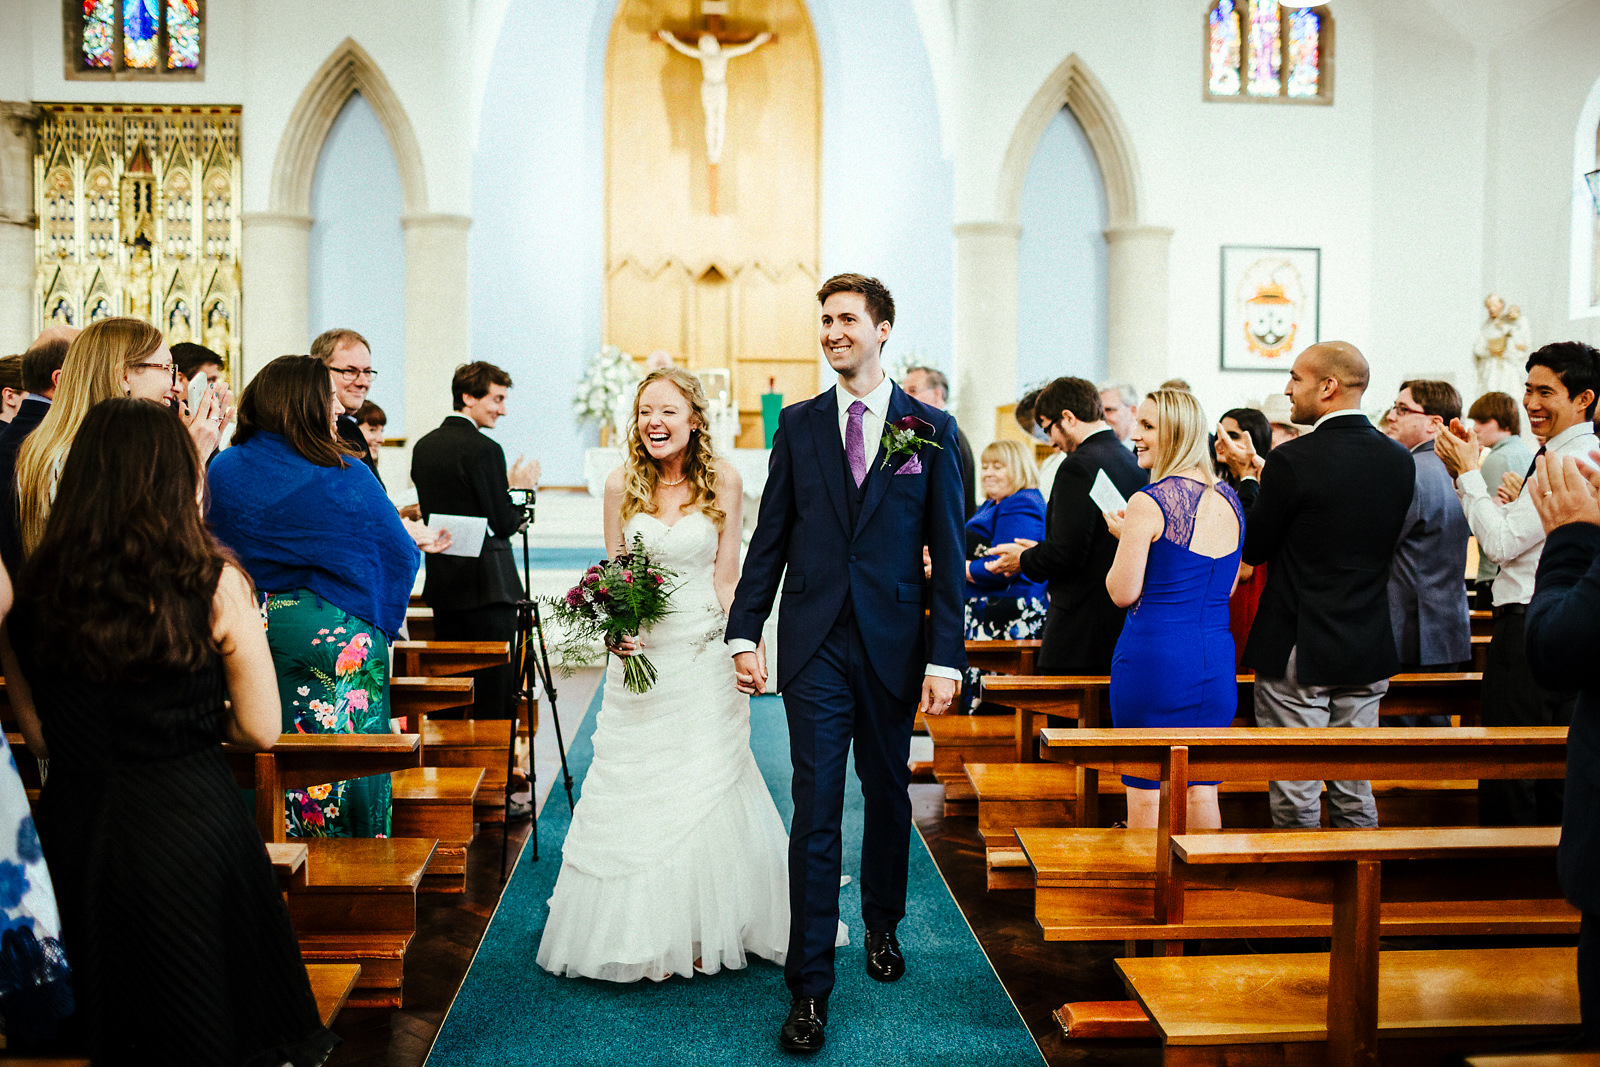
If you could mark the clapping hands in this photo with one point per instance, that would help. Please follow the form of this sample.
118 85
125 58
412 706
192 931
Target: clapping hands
1238 455
210 417
430 541
523 474
1457 449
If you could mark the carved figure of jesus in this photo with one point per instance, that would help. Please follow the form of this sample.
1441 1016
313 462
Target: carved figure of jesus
713 57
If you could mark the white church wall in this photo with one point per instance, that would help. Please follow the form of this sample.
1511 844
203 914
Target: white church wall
1540 79
357 275
538 222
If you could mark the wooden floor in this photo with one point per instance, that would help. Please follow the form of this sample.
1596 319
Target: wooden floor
1038 976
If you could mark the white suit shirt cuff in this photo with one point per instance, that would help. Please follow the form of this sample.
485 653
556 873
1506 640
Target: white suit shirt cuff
739 644
942 672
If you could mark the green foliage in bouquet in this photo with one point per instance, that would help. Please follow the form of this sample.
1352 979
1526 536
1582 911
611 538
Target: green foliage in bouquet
614 599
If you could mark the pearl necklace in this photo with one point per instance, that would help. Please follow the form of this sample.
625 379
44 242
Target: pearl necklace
680 481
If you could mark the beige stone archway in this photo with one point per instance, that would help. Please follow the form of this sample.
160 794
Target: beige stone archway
277 250
986 252
349 69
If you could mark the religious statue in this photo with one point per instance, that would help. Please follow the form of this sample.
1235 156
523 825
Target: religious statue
713 56
218 328
1501 351
139 284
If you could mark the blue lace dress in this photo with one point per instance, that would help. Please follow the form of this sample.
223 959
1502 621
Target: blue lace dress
1174 664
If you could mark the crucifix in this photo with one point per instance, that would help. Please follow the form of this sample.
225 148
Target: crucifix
713 47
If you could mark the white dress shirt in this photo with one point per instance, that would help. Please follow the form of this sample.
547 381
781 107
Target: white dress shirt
872 421
1512 535
1338 414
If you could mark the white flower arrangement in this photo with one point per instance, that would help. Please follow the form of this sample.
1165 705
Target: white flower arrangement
611 375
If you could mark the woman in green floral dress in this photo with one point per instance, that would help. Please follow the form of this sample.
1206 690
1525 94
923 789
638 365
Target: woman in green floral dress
315 531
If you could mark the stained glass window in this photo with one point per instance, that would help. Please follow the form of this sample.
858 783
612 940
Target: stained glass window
99 32
134 38
1224 64
183 34
140 28
1267 50
1305 32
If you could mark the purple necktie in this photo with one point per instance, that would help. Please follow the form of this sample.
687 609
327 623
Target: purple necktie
855 449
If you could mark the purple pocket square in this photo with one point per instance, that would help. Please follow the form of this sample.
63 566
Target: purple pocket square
911 466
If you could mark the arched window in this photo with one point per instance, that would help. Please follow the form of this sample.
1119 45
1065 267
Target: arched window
134 39
1264 50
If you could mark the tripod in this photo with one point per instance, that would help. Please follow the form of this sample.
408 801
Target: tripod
532 664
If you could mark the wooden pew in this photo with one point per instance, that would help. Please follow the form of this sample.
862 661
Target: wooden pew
1481 622
435 658
1095 884
413 699
1003 656
357 904
1085 698
1440 871
419 624
1548 1059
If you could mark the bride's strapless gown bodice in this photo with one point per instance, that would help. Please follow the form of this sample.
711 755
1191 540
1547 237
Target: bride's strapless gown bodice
676 855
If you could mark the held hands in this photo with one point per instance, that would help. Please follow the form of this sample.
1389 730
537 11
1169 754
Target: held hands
523 474
1457 449
1563 492
1239 456
1116 519
750 671
937 695
1008 557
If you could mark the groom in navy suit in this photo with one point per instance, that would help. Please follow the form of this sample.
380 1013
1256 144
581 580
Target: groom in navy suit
861 478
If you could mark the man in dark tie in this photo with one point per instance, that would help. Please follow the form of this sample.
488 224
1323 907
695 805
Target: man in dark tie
1563 379
1326 521
1082 625
41 369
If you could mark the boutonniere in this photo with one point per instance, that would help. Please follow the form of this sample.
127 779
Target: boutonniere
905 437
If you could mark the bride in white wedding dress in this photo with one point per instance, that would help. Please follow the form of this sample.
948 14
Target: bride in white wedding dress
676 860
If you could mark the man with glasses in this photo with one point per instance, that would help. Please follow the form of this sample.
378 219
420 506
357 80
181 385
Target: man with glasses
348 358
1427 594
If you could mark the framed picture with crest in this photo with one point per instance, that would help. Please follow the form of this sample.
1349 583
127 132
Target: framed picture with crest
1270 305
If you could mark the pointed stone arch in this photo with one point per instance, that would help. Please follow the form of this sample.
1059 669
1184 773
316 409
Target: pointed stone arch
349 69
1071 85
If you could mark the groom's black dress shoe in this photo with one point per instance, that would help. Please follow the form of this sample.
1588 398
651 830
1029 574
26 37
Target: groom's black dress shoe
803 1029
884 961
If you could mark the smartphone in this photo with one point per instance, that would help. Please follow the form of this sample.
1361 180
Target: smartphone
197 391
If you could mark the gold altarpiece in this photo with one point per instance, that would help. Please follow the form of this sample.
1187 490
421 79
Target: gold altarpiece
719 267
137 217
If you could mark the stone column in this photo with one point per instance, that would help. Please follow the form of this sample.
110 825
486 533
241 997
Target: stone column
437 321
275 266
985 325
18 225
1136 305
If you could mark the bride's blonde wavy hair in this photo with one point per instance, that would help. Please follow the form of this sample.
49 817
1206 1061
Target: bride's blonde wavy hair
641 475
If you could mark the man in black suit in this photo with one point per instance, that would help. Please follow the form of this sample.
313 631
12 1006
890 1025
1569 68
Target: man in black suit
41 369
1562 630
1329 513
1082 626
348 358
459 471
932 388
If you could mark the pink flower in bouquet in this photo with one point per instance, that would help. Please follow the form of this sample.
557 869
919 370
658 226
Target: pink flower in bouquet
627 576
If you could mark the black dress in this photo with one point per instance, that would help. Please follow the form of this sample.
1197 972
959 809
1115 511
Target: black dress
179 939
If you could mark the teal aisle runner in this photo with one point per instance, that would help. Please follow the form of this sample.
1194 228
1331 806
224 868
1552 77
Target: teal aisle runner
948 1009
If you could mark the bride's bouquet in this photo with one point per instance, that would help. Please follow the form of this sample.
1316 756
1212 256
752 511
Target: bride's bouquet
615 598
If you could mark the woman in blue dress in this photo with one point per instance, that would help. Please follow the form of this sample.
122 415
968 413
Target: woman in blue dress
1176 564
998 607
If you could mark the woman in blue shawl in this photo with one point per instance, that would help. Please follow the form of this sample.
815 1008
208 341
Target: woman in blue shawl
336 566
